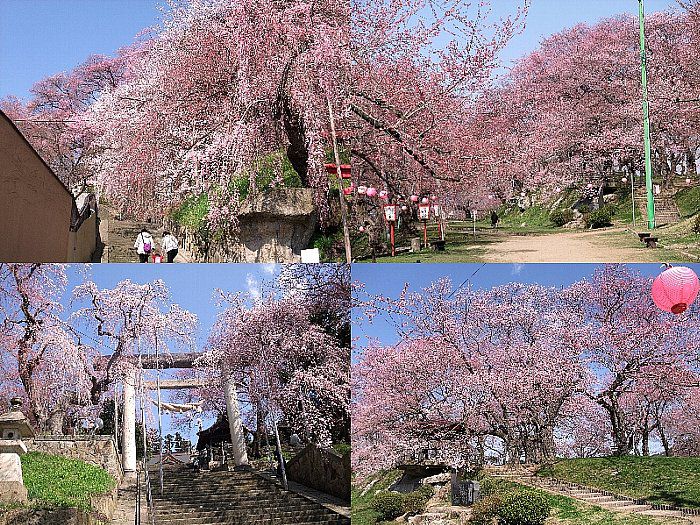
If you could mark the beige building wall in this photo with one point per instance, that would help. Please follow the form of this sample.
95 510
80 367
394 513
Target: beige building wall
35 207
81 244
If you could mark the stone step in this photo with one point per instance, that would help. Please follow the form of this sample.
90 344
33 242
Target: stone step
223 498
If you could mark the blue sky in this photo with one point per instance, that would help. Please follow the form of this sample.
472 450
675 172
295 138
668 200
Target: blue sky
389 280
191 286
43 37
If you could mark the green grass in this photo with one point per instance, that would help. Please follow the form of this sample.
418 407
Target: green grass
670 481
568 511
60 482
688 201
362 512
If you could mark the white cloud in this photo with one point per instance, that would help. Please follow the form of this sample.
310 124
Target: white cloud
253 286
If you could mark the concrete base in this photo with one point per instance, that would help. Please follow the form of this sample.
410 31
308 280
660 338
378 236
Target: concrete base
13 492
10 467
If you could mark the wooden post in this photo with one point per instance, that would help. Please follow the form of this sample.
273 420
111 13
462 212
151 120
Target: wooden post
343 207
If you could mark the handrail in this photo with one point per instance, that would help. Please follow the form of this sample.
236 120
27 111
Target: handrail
149 496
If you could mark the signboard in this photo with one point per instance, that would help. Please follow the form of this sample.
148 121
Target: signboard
424 212
436 211
464 493
311 256
391 212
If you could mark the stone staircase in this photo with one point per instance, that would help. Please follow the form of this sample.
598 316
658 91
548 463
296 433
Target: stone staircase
119 236
233 498
665 208
601 498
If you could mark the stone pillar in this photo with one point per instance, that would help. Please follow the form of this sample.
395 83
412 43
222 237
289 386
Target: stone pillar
13 428
240 452
12 488
129 423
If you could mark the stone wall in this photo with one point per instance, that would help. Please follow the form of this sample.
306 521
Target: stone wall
98 450
103 506
322 469
274 227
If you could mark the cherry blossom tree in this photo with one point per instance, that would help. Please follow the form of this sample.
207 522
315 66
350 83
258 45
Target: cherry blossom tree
41 361
289 368
589 369
131 320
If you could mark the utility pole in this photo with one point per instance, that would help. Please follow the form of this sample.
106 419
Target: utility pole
647 129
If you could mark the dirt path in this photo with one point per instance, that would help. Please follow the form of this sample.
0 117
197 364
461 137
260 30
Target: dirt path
613 245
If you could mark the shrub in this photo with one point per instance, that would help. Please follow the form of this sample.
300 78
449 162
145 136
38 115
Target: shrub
427 490
561 217
600 218
414 502
485 510
584 209
696 224
523 508
389 505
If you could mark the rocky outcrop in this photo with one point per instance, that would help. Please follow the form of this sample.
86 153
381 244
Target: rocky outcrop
322 469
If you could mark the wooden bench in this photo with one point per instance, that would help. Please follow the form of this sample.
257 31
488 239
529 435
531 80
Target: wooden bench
438 246
651 241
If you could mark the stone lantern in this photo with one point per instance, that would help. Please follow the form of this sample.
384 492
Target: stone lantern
13 428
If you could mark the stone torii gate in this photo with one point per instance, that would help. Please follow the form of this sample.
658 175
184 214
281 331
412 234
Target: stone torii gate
240 454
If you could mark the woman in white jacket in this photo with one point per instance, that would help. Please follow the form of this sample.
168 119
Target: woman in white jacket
144 245
169 245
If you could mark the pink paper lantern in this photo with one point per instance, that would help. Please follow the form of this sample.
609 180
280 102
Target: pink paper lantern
425 200
414 198
362 190
371 192
675 289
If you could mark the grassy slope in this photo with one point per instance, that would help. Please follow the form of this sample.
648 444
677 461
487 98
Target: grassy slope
568 511
672 481
565 511
61 482
688 201
362 513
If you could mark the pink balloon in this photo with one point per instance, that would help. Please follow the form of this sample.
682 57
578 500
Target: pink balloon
675 289
414 198
371 192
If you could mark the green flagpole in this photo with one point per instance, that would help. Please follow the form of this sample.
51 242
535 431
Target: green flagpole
647 130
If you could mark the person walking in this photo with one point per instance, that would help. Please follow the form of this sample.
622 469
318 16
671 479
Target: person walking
494 219
144 245
170 246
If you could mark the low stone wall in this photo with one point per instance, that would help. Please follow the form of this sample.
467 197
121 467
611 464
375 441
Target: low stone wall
322 469
274 227
97 450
